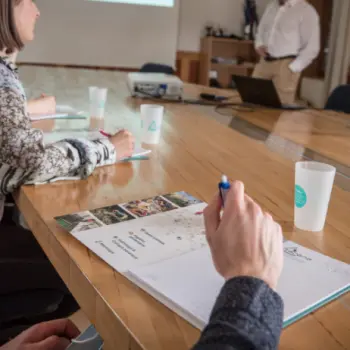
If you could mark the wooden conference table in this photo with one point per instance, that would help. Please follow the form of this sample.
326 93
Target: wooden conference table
194 151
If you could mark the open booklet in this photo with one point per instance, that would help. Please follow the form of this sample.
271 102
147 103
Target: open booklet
159 243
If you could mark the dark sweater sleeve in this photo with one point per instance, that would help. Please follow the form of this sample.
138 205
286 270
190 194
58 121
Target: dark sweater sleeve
248 315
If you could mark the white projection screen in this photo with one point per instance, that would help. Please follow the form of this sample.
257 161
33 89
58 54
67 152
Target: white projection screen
166 3
123 33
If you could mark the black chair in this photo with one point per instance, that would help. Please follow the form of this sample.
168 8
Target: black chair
157 68
339 100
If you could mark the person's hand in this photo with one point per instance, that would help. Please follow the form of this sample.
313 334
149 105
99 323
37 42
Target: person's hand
262 51
245 241
48 103
123 142
42 105
53 335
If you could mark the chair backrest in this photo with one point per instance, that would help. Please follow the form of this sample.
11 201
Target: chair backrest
339 100
157 68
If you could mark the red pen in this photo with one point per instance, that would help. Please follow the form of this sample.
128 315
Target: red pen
104 133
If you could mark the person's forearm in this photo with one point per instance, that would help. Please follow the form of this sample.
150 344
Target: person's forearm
42 105
34 107
311 40
248 314
24 159
304 59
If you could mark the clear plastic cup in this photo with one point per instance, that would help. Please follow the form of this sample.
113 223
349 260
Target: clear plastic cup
98 99
313 188
151 123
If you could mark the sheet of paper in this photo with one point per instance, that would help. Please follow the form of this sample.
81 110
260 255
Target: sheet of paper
138 152
140 232
37 117
189 284
62 112
68 110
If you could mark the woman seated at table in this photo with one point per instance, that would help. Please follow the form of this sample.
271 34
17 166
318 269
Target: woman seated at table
24 158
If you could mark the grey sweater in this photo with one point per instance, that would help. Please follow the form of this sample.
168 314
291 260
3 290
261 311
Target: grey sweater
248 315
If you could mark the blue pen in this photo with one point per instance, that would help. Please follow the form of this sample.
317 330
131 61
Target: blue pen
224 187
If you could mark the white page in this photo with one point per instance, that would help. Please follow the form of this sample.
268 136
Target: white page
68 109
38 117
139 152
62 112
190 285
146 240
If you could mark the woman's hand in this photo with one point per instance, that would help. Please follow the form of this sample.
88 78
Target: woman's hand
42 105
124 143
245 241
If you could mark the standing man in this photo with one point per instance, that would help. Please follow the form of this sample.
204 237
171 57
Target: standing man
288 40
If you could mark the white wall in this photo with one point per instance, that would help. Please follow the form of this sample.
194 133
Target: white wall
120 35
196 14
104 34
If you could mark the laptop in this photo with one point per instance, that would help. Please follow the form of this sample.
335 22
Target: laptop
256 91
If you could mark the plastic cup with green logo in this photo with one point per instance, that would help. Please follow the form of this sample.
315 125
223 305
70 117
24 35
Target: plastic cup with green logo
151 123
313 188
98 99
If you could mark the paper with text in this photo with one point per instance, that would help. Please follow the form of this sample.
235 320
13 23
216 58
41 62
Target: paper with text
142 231
189 284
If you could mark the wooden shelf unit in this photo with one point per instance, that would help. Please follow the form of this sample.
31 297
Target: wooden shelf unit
229 49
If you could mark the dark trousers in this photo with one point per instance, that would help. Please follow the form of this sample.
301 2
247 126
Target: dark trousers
31 291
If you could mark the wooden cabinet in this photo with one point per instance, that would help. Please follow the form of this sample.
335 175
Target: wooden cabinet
229 49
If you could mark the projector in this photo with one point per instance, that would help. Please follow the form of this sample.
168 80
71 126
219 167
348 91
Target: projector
156 85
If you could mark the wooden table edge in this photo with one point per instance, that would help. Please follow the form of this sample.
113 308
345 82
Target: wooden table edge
122 334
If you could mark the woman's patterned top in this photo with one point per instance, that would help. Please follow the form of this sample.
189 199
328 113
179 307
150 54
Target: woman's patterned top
24 158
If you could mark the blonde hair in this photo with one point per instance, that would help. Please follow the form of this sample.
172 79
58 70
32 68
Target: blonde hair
10 40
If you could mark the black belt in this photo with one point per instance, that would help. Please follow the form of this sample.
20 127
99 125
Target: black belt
269 58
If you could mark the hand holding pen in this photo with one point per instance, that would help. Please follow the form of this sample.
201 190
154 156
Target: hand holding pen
244 241
224 188
123 141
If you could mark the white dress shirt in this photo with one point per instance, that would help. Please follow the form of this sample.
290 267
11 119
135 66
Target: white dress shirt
291 29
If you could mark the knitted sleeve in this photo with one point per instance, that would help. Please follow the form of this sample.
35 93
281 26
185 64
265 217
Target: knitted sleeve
248 314
25 159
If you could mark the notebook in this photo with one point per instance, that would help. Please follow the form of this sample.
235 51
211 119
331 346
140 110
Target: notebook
189 284
159 243
62 112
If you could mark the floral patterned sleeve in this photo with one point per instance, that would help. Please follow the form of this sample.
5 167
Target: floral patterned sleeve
25 159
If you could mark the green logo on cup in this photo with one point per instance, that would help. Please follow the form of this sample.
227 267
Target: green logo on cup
300 197
153 126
